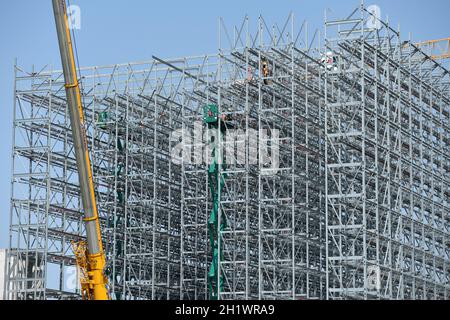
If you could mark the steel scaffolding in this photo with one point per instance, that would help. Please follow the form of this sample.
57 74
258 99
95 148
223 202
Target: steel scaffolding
387 165
266 171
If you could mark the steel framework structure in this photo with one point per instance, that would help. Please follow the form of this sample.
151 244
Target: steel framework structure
332 176
387 165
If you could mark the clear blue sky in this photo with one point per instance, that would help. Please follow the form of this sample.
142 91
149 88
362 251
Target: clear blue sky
134 30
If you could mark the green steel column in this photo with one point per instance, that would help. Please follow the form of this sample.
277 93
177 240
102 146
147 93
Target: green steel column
216 185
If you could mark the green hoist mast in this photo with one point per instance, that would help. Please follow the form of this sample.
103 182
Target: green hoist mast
216 184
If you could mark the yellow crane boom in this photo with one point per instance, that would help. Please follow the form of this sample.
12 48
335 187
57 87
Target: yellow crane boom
95 284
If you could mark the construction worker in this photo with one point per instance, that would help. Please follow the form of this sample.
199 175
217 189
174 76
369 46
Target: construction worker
265 71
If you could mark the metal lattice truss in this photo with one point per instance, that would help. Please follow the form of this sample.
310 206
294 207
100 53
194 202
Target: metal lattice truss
355 206
387 165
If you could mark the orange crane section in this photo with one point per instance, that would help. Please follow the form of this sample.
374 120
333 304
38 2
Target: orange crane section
437 49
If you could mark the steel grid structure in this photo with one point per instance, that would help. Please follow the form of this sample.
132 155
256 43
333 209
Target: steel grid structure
271 245
361 183
387 165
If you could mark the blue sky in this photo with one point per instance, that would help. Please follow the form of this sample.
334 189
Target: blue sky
134 30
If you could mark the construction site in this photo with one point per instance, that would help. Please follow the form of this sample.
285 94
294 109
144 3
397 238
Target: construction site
294 164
